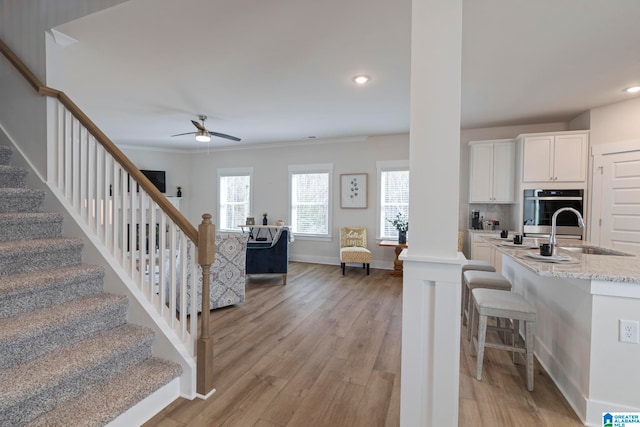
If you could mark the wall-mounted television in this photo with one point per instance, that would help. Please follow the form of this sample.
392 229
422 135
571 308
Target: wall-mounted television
157 178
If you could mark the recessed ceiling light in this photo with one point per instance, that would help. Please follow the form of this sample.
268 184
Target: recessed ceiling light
633 89
361 79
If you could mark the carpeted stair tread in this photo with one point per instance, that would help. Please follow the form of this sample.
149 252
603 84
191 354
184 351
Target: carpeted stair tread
23 256
12 177
29 291
38 386
29 335
30 225
20 200
106 401
27 324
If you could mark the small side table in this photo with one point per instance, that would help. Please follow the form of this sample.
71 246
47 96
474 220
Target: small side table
269 229
397 264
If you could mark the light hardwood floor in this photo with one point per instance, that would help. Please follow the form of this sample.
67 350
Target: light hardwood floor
324 350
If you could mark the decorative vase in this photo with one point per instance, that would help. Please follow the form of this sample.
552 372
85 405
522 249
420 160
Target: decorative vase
402 236
264 220
179 193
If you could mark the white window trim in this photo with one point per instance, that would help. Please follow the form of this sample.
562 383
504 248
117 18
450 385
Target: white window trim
240 171
313 168
385 166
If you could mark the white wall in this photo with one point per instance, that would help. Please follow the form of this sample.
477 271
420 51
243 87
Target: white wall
615 122
22 28
176 164
581 122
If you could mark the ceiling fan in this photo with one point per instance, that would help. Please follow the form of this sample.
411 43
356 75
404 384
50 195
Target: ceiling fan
203 134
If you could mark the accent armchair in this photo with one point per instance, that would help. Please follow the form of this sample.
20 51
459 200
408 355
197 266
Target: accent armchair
353 247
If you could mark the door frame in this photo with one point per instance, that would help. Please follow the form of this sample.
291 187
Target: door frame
598 153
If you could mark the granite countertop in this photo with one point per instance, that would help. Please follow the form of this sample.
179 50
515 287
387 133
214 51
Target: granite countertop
611 268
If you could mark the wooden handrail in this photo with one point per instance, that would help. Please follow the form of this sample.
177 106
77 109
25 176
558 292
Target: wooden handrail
21 67
173 213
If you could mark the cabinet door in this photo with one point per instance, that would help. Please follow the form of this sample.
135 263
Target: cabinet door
537 163
482 252
481 173
504 172
570 158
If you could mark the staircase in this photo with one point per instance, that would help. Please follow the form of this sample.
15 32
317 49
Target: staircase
67 354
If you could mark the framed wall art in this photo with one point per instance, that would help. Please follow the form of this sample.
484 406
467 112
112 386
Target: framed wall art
353 191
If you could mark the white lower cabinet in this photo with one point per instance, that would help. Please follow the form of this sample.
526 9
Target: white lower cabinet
482 251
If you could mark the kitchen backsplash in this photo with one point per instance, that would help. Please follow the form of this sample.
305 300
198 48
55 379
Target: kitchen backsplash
494 211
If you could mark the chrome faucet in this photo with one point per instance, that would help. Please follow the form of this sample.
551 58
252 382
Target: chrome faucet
552 238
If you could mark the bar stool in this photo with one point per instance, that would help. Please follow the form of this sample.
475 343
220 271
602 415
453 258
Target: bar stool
508 305
475 265
480 279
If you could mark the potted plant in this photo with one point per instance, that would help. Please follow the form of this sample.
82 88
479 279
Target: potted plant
179 193
401 223
265 221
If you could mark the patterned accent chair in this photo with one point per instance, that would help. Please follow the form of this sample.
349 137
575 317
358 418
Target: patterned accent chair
353 247
228 273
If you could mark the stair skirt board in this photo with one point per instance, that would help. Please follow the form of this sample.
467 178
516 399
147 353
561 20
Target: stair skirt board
67 354
149 406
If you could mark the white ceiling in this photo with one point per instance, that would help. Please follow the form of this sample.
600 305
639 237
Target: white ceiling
280 70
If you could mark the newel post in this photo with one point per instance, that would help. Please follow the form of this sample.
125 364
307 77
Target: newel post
206 256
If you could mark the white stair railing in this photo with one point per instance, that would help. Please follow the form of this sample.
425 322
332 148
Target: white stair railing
148 239
146 243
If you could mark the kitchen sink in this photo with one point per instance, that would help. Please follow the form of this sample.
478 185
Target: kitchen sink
593 250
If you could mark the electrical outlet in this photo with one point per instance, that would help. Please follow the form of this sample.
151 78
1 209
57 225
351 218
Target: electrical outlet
629 331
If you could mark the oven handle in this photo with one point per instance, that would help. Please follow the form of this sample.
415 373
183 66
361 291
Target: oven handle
558 199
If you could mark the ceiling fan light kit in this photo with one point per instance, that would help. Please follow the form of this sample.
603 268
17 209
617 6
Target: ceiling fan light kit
203 136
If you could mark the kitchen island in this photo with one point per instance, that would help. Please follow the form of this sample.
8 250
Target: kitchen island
579 306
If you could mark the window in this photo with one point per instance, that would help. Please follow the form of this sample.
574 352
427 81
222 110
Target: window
234 197
393 192
310 199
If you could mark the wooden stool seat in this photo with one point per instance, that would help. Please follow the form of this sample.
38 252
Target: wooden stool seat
472 264
480 279
507 305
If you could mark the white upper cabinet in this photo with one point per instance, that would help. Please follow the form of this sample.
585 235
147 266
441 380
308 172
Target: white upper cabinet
492 171
555 158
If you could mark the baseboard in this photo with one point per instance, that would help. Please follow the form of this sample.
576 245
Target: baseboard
382 265
147 408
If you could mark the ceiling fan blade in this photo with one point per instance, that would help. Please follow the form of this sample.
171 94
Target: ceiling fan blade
222 135
188 133
198 125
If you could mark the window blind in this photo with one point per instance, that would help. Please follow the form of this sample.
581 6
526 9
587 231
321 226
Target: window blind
235 196
394 199
310 203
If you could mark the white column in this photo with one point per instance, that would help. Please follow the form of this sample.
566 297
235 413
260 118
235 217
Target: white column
431 294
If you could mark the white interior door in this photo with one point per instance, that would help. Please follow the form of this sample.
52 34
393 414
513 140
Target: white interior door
620 214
